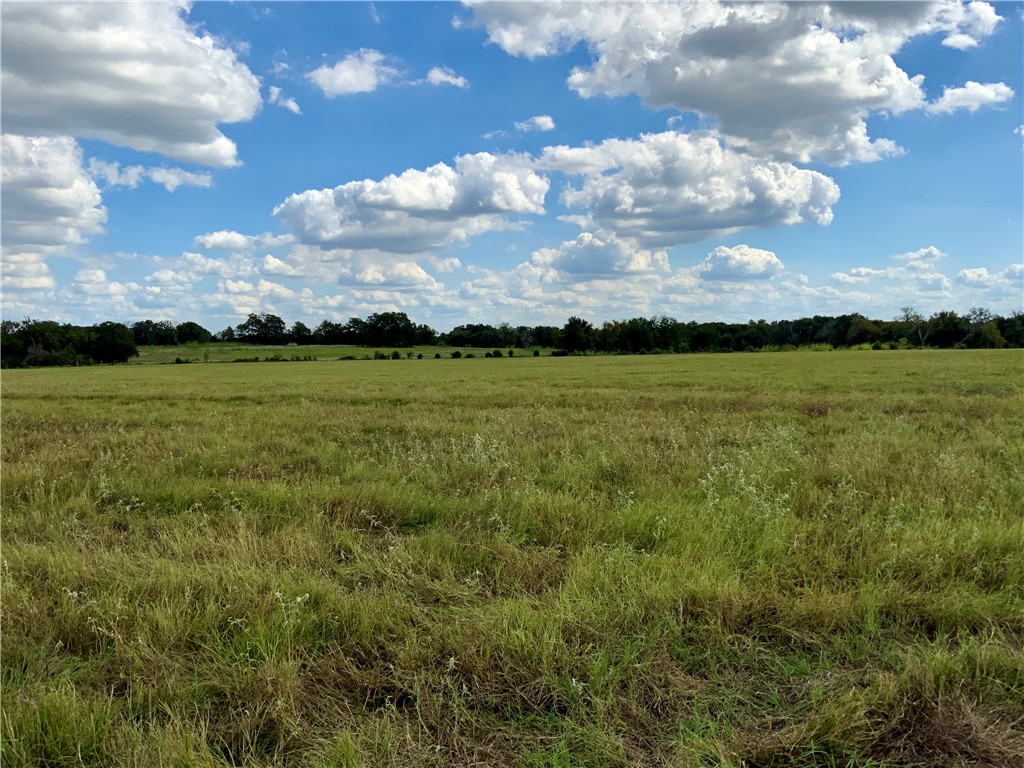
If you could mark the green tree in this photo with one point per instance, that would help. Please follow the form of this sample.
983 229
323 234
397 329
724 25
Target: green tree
192 332
577 335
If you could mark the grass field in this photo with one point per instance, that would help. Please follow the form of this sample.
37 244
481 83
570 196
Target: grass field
226 352
803 559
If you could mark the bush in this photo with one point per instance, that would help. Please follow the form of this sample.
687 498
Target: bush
488 355
497 353
559 352
396 355
510 353
437 355
536 353
470 356
456 354
181 361
419 356
876 345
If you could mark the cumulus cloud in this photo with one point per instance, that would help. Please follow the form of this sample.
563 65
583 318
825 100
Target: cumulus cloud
670 188
972 97
536 123
136 75
418 211
793 81
276 97
740 263
360 72
590 256
1009 279
229 240
446 76
48 203
113 175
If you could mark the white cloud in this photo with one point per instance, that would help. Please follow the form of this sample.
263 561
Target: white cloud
113 175
418 211
172 178
287 103
446 76
670 188
47 202
360 72
132 74
794 81
443 265
1009 279
592 256
928 253
740 263
401 275
972 97
275 266
229 240
536 123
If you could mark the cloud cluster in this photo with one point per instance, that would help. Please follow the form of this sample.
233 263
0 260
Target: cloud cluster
446 76
133 74
536 123
113 175
229 240
740 263
48 203
791 81
589 256
670 188
418 211
276 97
360 72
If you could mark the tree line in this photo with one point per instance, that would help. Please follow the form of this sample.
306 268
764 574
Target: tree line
37 343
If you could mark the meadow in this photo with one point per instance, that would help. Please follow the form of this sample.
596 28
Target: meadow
791 559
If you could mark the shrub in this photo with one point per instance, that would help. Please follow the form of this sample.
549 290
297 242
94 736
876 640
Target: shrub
456 354
437 355
559 352
470 356
510 353
488 355
536 353
180 361
419 356
378 355
497 353
396 355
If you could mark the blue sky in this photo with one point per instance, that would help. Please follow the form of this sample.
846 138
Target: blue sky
510 162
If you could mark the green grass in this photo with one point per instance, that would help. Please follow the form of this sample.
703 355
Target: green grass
793 559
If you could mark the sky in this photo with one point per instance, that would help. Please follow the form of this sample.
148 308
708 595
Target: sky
510 162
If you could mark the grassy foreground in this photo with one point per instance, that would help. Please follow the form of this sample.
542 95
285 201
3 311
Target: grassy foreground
807 559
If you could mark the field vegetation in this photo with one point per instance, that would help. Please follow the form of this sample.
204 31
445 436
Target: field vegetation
803 559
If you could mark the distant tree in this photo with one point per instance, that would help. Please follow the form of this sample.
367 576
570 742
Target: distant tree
862 331
110 342
946 329
913 325
262 329
228 334
189 332
577 335
328 333
300 333
392 329
148 333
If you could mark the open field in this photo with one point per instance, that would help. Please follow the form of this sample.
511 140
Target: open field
806 559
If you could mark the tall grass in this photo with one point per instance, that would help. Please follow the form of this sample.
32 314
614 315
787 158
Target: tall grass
737 560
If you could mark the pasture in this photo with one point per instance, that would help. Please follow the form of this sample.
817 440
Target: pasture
791 559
